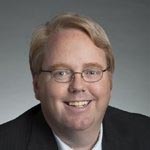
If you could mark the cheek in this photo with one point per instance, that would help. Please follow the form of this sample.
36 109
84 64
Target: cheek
51 97
102 91
52 92
56 91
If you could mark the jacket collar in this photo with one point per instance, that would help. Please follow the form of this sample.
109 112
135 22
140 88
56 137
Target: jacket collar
41 137
115 133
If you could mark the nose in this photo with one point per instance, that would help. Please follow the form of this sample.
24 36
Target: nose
77 84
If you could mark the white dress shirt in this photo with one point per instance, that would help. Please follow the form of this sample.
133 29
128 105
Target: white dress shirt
97 146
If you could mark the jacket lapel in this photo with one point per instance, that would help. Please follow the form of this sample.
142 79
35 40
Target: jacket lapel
115 135
41 137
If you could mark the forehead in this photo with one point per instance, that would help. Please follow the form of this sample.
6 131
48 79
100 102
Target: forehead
73 48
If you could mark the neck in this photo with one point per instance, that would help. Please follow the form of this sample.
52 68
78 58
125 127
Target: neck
79 140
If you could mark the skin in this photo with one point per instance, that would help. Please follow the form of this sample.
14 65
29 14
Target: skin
73 49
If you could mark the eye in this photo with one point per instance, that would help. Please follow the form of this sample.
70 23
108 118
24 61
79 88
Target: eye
91 72
59 74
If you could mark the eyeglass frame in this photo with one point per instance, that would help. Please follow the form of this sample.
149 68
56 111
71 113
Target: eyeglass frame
73 74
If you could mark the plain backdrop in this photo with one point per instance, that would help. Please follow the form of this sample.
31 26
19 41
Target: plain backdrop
127 23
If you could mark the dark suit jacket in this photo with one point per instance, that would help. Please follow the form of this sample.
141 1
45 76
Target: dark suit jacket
122 131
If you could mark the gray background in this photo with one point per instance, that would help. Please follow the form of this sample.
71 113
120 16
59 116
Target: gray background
127 23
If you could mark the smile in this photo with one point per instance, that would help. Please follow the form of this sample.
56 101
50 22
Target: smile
78 104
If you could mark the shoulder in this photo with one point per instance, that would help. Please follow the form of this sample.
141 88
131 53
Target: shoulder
22 120
128 124
115 112
125 130
17 130
121 116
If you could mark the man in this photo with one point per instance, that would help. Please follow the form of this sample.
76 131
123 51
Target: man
72 65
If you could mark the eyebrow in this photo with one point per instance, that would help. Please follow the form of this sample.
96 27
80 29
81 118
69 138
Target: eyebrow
92 65
59 65
63 65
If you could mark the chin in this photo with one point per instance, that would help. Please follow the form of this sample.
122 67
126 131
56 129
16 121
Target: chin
80 124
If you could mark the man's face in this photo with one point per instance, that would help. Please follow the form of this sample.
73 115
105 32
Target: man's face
73 49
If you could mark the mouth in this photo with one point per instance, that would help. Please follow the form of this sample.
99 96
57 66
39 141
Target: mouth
79 104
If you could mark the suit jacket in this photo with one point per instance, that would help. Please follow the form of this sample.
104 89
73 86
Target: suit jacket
121 131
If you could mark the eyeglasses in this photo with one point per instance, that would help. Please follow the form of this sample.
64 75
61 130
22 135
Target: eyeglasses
66 75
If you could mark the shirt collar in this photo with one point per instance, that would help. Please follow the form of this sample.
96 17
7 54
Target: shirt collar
97 146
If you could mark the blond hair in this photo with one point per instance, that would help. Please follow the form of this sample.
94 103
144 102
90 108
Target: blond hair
64 21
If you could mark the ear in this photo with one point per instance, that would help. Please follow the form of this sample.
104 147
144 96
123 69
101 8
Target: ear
36 86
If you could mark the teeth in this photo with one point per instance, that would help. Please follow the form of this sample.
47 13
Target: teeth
79 104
